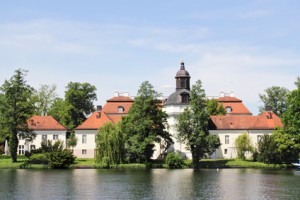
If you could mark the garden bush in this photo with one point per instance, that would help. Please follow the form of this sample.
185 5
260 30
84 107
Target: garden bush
174 160
40 158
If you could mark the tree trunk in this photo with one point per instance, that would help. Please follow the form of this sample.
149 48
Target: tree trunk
195 156
13 147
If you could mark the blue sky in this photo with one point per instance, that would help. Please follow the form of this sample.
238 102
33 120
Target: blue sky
240 46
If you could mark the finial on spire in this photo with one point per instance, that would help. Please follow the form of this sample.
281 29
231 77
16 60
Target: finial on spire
182 66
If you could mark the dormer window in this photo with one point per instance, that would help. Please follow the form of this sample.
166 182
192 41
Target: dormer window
184 97
121 109
228 109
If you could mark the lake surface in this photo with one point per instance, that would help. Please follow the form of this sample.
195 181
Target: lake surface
150 184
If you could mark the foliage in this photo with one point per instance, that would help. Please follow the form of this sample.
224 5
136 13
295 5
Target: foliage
214 108
59 110
275 97
61 158
145 125
267 150
44 98
279 148
174 160
80 97
40 158
57 156
72 140
110 144
291 117
243 145
287 146
192 126
16 107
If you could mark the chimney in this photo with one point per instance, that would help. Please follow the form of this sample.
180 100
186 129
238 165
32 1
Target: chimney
231 94
116 93
268 108
222 94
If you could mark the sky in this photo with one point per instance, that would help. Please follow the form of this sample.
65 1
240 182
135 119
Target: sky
231 46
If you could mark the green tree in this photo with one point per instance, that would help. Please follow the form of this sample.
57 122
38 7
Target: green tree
291 117
110 143
16 108
215 108
59 110
80 97
192 126
145 125
45 97
72 140
275 97
243 144
267 147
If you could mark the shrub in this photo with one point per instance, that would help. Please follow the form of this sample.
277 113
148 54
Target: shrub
174 160
61 159
40 158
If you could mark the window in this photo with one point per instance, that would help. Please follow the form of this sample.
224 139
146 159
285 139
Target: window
182 83
83 139
121 109
228 109
32 147
258 138
83 151
225 151
21 150
21 137
226 139
44 137
55 137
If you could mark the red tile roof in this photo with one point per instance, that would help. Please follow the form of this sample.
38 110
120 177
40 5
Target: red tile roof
237 106
44 123
265 121
109 113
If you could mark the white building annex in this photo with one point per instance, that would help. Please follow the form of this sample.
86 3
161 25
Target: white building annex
237 121
113 111
46 128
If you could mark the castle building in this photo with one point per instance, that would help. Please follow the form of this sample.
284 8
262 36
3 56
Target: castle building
238 119
113 111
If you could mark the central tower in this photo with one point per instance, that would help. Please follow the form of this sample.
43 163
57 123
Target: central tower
182 78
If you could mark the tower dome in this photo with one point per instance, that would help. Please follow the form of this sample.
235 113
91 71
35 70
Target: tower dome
182 93
182 72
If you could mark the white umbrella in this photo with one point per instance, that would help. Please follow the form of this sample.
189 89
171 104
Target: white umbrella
6 151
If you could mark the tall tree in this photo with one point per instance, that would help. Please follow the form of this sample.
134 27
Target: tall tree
145 125
80 97
59 110
45 96
291 117
16 108
215 108
275 97
192 126
110 144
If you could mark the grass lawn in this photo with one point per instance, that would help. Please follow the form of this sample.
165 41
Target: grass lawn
6 163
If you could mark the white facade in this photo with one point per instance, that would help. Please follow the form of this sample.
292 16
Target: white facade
86 144
41 135
227 138
173 111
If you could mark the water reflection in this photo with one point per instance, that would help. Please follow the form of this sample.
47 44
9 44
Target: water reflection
149 184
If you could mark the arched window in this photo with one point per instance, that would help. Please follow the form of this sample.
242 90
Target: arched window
121 109
228 109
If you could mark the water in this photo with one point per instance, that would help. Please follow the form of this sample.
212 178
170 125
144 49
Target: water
150 184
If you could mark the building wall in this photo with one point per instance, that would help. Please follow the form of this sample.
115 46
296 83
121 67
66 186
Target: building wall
227 149
86 144
52 135
173 111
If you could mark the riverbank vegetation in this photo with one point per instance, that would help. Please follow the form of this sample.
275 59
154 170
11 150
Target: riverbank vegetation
90 163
